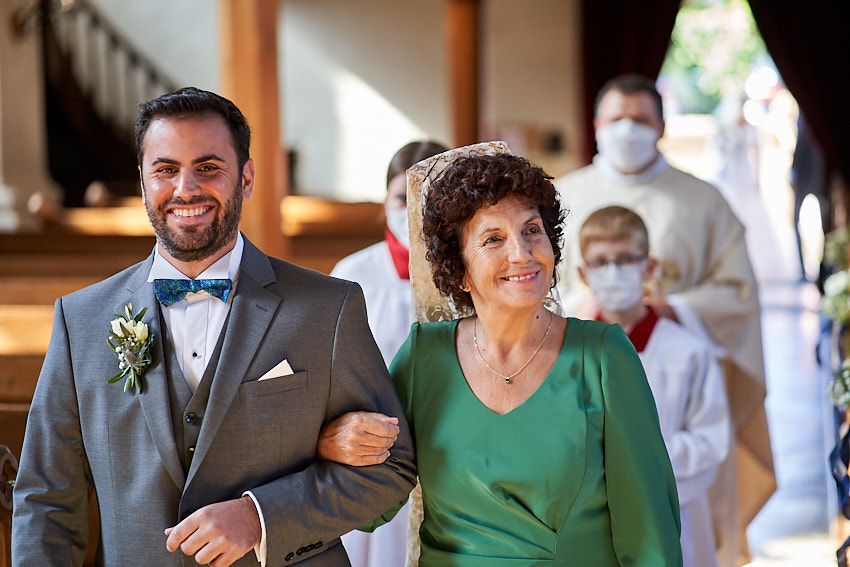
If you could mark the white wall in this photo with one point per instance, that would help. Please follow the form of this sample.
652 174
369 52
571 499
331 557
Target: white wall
532 55
359 80
179 36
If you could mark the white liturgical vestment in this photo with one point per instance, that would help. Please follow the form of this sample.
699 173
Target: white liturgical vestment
687 383
387 295
390 315
706 274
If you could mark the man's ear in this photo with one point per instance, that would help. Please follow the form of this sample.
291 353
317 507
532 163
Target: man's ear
247 180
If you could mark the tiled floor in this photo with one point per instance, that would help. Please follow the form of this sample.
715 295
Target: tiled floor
798 527
793 529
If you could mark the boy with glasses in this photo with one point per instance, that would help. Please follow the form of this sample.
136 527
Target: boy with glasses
682 368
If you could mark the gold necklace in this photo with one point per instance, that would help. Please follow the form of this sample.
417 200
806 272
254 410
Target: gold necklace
509 377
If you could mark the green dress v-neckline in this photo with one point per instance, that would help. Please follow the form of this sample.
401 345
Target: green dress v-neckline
526 400
555 481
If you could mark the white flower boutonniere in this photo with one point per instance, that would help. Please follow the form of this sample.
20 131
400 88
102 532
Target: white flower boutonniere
130 340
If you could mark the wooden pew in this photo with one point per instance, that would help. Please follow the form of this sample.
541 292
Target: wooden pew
40 290
18 376
25 329
64 253
322 231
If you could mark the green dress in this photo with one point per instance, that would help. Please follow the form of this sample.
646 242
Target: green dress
576 475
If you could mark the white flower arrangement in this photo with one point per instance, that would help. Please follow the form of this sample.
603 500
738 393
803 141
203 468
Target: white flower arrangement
130 339
838 389
836 297
835 304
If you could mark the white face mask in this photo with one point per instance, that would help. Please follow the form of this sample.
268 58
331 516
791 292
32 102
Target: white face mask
628 146
617 287
397 223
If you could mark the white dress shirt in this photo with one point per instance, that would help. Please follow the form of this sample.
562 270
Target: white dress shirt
200 312
205 315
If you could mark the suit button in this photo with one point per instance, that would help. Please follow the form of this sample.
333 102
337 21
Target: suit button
192 450
289 556
191 418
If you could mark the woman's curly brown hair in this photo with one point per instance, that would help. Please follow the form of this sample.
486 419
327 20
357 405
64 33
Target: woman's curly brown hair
472 183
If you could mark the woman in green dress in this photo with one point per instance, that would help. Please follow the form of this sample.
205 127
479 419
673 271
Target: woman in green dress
537 438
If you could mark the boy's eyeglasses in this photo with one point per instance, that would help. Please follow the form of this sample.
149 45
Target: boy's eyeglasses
619 261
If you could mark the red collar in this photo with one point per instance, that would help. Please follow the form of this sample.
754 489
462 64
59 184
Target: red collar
642 330
399 254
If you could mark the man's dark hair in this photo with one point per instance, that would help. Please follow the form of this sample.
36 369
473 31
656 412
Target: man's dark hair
631 84
190 101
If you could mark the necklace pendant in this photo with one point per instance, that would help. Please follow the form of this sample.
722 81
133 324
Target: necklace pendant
507 380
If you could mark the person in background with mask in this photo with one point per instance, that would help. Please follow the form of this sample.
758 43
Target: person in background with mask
703 280
382 269
681 368
382 272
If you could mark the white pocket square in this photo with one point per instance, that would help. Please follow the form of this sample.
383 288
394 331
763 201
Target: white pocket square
281 369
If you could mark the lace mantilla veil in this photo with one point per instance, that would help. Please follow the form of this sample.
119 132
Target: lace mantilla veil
428 303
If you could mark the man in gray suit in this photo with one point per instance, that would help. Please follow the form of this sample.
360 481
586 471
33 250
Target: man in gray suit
209 451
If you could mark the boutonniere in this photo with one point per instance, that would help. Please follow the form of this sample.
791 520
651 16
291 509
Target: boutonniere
130 339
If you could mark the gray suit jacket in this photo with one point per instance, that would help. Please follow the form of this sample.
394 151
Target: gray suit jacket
84 434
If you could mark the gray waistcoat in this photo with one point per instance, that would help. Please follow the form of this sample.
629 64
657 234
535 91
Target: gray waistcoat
188 409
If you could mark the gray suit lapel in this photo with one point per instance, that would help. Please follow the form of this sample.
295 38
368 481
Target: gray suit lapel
154 395
251 313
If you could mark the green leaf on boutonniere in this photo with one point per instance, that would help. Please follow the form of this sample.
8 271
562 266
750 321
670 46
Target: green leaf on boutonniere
130 340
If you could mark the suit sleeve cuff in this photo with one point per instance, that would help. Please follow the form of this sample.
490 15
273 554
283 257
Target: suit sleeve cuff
260 548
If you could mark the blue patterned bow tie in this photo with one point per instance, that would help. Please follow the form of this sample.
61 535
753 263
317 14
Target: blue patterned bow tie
171 291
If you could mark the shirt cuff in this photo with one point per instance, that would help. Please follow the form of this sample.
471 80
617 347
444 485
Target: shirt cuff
260 548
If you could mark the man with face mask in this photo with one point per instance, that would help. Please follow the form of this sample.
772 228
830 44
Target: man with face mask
382 269
704 279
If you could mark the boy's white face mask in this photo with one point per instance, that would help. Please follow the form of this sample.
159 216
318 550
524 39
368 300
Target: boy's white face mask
627 145
617 288
397 223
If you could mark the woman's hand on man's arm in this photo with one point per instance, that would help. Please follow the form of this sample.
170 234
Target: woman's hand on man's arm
358 438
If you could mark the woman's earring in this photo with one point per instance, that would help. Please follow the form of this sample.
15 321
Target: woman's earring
465 288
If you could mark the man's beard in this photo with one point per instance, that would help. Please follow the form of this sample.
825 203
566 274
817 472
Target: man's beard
194 243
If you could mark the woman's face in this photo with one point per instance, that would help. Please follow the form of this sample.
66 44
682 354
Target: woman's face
508 257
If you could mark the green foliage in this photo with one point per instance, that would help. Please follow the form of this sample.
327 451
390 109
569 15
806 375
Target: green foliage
713 48
836 244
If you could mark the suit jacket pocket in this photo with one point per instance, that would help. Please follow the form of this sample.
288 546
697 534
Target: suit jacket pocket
274 385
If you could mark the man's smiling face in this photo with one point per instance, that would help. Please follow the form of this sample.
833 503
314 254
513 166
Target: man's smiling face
192 187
